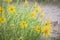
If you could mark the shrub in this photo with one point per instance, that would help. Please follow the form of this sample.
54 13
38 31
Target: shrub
22 22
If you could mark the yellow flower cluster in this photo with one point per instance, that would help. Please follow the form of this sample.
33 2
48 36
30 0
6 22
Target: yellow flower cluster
11 10
22 21
2 19
47 29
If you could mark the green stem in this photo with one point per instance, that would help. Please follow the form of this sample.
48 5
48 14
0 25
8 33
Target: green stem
46 38
17 2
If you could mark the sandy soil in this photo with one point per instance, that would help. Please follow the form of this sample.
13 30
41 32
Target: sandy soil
53 12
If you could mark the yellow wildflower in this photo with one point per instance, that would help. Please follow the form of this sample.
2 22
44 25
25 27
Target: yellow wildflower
26 2
38 29
11 9
23 24
2 10
2 19
8 1
20 38
48 22
47 31
38 9
33 15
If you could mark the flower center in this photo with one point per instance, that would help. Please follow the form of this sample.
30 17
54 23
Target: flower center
1 11
11 8
46 31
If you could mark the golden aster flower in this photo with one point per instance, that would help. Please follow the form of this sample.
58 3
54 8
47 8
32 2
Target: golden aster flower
47 31
38 29
11 9
33 15
38 9
26 2
20 38
48 22
2 10
2 19
8 1
23 24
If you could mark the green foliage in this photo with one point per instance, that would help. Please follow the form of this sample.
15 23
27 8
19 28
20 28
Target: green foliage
20 22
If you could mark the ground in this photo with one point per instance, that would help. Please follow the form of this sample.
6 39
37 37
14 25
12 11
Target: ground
52 11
